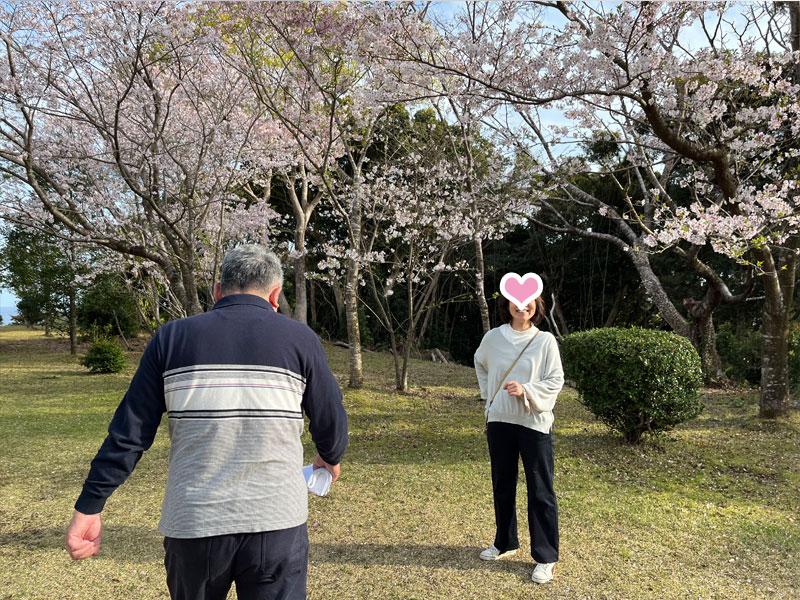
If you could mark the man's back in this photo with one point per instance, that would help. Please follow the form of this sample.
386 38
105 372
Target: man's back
234 382
234 385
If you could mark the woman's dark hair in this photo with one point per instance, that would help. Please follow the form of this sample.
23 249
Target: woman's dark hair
505 314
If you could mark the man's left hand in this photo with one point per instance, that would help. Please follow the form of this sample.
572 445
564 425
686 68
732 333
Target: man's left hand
321 464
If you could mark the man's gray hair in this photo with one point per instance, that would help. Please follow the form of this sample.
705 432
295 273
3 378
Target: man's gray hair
250 268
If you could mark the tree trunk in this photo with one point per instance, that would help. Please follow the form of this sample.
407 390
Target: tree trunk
412 322
701 332
386 320
398 371
779 284
156 303
778 279
656 291
426 323
794 21
703 335
480 289
312 302
73 322
146 297
774 400
558 315
338 298
300 292
403 383
176 287
622 291
353 327
351 291
192 305
283 305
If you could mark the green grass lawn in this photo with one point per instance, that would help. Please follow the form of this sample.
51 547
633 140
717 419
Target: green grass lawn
711 510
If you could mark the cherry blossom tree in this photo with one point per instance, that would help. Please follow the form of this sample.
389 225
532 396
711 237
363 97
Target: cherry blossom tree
308 67
118 124
702 96
415 216
480 167
481 170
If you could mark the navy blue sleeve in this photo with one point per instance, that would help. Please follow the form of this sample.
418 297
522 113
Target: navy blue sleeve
130 433
322 402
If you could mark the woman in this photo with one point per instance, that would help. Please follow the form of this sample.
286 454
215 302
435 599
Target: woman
519 414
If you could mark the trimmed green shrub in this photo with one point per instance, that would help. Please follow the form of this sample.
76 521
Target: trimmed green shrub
636 381
105 356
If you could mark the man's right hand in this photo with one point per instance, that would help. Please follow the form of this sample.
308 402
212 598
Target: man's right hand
83 535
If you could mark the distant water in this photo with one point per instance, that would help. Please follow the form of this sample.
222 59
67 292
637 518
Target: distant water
7 312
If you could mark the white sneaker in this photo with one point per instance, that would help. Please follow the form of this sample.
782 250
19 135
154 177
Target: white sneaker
492 553
543 572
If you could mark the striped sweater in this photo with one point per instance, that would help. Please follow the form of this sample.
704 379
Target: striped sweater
234 382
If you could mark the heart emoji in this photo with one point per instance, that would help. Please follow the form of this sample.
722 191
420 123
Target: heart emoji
521 290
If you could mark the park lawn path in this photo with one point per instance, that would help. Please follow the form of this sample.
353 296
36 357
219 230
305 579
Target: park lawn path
710 510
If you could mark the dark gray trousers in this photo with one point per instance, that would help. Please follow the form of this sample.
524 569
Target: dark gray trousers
271 565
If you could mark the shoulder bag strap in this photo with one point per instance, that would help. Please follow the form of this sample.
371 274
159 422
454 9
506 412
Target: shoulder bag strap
516 360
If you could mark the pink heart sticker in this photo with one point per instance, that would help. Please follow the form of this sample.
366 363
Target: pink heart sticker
521 290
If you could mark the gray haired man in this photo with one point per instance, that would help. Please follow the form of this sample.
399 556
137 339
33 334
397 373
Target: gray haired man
234 382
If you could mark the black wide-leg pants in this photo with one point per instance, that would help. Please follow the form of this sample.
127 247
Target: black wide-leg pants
271 565
507 443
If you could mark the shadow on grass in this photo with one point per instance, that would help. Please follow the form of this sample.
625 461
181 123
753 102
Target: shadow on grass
122 543
577 442
744 421
724 470
413 555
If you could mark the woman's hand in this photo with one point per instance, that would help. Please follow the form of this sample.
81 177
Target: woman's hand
514 388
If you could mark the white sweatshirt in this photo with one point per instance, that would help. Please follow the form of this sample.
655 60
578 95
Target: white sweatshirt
538 370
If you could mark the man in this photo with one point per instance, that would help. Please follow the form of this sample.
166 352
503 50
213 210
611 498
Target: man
234 383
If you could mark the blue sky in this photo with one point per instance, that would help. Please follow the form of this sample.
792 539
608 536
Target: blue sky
7 298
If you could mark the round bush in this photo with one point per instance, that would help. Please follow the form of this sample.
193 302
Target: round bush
104 356
636 381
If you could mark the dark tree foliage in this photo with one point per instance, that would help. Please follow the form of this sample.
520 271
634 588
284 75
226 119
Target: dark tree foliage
108 305
41 275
